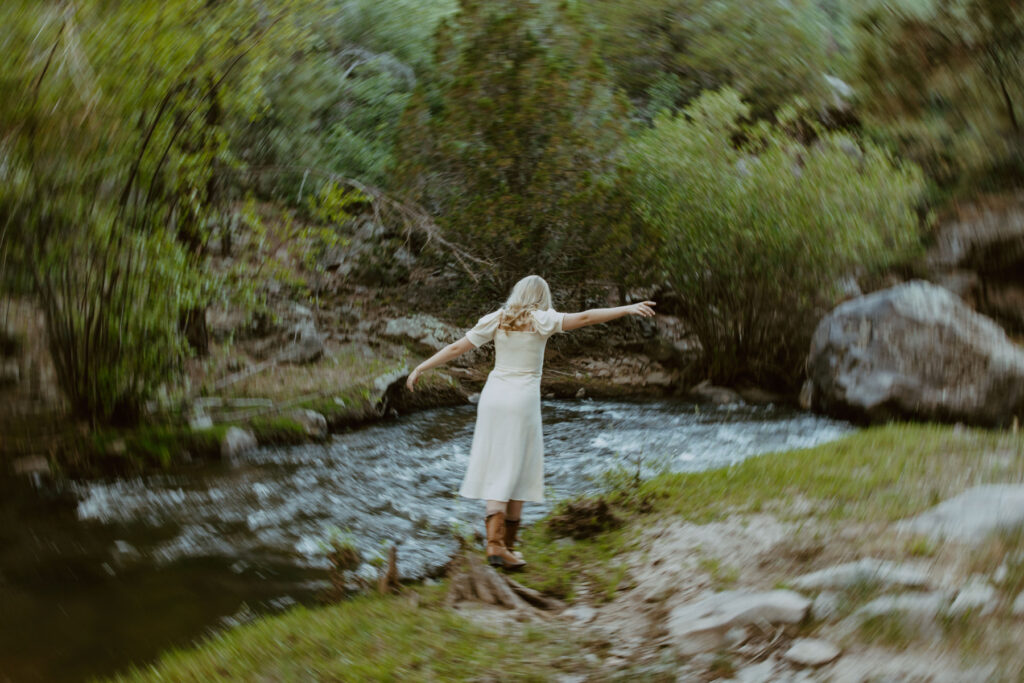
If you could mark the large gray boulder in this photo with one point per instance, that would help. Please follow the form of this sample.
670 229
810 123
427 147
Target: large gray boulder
917 351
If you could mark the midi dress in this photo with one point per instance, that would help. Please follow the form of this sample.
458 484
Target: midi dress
506 460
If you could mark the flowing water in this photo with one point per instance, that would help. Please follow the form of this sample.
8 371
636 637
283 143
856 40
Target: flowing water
97 575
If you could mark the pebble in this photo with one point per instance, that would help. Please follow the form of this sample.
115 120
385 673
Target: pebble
811 652
977 595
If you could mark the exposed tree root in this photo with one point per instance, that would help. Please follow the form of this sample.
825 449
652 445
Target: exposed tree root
474 581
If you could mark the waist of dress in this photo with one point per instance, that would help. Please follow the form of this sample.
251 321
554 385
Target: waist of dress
516 373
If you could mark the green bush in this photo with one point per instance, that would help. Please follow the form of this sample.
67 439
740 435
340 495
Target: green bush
760 227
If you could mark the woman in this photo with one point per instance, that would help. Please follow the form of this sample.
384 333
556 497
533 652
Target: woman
506 461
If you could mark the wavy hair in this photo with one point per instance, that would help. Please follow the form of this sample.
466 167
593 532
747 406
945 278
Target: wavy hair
529 294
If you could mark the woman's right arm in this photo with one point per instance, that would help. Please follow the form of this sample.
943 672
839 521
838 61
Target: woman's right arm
573 321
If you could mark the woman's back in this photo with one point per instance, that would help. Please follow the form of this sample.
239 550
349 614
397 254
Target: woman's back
517 352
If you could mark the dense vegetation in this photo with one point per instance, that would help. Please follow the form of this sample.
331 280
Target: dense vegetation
710 148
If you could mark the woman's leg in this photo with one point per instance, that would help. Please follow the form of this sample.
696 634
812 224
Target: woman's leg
512 516
514 511
497 553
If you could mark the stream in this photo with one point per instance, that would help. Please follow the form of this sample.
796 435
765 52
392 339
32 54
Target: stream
98 575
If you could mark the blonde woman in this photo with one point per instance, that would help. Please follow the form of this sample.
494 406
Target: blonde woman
506 461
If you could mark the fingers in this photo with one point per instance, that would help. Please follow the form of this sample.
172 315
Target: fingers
644 309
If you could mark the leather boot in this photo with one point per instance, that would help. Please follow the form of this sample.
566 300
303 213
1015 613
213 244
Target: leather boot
497 554
511 532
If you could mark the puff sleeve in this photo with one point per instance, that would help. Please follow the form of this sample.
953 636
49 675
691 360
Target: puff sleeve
484 329
548 322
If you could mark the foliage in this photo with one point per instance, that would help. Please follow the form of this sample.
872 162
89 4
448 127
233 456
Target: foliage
759 232
943 80
334 105
512 145
665 53
112 188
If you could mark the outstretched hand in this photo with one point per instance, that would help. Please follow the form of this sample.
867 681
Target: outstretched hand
644 309
414 376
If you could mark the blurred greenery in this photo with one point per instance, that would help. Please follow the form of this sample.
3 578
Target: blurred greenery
758 233
161 157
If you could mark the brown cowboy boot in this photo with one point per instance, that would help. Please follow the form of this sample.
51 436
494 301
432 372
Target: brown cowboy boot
497 554
511 531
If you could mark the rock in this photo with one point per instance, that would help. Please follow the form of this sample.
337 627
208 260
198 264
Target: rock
825 606
806 399
236 442
306 345
983 238
702 626
31 465
976 596
581 393
915 350
757 673
971 516
474 397
811 652
580 614
866 570
199 420
10 372
918 607
1017 609
706 391
658 378
423 329
312 422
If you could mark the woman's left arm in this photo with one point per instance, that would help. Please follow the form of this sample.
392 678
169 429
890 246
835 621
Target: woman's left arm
448 353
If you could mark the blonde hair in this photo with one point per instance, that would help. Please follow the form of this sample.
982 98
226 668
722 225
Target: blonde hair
530 294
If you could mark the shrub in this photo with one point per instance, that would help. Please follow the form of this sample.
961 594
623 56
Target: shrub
759 227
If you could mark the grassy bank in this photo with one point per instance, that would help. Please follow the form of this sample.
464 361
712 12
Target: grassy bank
580 553
408 637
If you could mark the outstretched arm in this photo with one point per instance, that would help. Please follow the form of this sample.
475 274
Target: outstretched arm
573 321
448 353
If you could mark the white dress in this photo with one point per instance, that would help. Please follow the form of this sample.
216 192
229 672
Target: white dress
506 461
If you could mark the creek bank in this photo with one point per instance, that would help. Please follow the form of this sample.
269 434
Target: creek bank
748 558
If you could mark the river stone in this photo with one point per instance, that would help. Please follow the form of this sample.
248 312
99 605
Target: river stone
976 596
705 391
1018 605
973 515
423 329
31 465
865 570
314 424
918 351
811 652
825 606
236 442
701 626
917 607
306 345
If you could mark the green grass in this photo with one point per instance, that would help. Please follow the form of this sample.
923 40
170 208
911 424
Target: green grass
367 638
881 474
561 566
889 630
156 445
278 431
